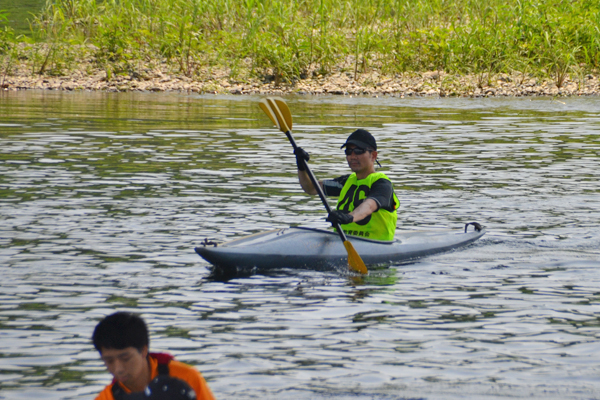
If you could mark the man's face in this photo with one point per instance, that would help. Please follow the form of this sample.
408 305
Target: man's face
128 365
360 162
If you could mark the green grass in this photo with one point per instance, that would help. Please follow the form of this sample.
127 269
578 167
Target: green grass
288 40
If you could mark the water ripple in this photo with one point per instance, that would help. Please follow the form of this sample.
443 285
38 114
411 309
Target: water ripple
103 203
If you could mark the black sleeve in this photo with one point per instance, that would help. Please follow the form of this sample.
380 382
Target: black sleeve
383 194
333 187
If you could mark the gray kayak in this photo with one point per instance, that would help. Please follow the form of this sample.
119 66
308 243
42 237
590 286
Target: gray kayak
308 248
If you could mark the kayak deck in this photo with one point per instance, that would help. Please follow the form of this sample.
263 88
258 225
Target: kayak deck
308 248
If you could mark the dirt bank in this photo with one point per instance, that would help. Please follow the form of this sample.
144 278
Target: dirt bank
432 83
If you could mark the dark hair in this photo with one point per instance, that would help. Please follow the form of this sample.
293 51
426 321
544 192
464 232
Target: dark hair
119 331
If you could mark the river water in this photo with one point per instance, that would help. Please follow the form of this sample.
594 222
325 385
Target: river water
104 197
20 14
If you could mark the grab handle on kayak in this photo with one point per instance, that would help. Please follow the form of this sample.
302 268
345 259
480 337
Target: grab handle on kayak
208 243
476 225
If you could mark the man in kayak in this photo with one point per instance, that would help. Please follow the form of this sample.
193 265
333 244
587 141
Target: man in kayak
367 203
122 340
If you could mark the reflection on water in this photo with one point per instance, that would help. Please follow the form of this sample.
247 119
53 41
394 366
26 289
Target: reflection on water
20 14
104 197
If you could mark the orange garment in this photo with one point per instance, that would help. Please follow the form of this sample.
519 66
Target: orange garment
178 370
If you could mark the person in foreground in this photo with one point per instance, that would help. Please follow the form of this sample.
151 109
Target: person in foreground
367 203
122 340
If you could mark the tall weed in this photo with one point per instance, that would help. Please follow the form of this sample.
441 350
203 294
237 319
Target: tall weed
288 39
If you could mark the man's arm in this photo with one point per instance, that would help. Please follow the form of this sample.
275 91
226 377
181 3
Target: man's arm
366 208
301 158
380 196
306 184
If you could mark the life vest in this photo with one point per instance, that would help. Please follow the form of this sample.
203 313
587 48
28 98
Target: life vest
163 387
380 225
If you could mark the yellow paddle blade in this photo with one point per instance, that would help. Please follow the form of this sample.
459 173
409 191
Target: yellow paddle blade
278 107
283 110
266 107
354 261
278 111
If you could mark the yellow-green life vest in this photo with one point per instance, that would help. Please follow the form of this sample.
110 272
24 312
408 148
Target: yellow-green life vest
381 225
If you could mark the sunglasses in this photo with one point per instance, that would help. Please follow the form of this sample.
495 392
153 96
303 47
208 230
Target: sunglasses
357 150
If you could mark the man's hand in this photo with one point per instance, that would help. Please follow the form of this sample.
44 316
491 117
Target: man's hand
301 158
339 217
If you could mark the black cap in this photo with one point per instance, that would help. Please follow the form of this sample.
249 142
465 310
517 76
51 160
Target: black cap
361 138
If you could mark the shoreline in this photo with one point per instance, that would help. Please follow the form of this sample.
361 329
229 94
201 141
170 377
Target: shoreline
431 83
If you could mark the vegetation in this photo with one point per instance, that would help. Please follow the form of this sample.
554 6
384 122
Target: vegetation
289 40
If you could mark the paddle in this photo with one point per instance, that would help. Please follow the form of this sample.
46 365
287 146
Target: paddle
279 113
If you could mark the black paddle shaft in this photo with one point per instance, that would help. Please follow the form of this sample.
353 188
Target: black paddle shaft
318 188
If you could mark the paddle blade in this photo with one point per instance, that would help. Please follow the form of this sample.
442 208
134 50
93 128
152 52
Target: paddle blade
283 109
278 111
266 107
354 261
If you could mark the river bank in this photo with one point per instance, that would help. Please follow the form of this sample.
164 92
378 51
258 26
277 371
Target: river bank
314 47
340 82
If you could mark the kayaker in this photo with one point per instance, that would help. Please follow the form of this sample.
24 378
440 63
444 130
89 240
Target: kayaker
123 342
367 203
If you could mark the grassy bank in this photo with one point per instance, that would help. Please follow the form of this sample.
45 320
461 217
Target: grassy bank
290 40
